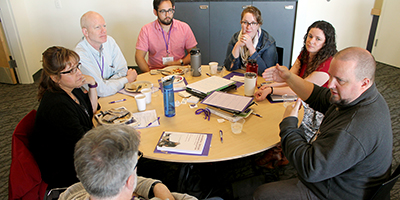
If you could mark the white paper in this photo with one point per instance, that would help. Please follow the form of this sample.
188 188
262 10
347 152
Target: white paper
210 84
228 101
145 118
182 142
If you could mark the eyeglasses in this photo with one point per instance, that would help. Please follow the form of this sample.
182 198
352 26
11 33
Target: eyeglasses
169 11
249 23
140 155
73 70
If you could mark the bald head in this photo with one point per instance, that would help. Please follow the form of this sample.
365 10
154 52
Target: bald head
365 62
88 17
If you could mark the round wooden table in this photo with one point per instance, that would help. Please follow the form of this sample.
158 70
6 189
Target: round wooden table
259 134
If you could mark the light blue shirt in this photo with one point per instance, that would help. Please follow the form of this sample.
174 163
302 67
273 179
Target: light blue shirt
108 67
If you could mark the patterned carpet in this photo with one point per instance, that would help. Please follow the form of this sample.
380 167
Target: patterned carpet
17 100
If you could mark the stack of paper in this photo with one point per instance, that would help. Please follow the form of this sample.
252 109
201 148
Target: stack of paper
230 102
208 85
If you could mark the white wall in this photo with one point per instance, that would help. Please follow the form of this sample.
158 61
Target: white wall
39 24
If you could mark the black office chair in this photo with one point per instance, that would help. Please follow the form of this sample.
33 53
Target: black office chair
383 192
280 55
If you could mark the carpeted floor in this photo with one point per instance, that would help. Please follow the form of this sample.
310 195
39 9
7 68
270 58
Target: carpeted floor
17 100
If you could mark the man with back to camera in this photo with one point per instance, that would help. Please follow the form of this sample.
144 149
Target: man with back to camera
351 154
106 161
101 56
165 39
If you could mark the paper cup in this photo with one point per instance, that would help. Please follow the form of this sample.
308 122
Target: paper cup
147 93
213 68
141 102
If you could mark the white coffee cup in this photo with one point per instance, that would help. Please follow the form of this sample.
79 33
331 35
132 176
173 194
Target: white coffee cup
213 67
147 93
141 102
250 80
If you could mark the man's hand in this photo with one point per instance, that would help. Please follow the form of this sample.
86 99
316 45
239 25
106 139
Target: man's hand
277 74
293 109
131 75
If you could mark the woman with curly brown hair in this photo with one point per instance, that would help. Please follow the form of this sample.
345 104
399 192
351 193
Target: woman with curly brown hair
312 65
64 115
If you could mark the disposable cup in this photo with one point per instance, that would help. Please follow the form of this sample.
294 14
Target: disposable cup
141 102
188 74
250 80
237 126
147 93
213 68
220 71
288 99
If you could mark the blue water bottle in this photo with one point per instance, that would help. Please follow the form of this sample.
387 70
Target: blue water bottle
169 100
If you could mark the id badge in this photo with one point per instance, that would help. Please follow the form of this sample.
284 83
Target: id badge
167 59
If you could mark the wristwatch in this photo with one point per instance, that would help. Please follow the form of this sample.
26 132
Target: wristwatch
181 61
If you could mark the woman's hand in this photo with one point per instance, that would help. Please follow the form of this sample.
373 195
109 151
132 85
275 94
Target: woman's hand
247 40
262 93
277 74
88 80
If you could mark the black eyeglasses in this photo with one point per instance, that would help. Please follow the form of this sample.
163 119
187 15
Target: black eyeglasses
140 155
73 70
249 23
169 11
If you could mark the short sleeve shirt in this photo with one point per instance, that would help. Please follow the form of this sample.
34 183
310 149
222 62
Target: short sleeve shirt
155 41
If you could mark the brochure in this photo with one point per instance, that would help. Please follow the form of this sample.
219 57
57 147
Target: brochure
184 143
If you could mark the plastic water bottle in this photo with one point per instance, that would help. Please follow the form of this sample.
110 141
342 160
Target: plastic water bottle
169 100
195 61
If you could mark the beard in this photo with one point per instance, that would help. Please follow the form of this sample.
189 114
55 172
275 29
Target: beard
338 102
167 21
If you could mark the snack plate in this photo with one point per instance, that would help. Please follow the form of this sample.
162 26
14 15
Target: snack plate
129 119
177 79
131 87
173 70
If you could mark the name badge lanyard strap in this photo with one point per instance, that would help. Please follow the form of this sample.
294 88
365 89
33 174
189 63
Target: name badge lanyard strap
165 41
102 65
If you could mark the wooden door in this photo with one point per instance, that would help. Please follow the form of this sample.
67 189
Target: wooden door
7 74
387 42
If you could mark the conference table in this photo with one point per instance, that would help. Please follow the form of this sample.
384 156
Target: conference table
258 134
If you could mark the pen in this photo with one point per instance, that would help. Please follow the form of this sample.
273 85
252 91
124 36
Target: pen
121 100
220 135
258 115
208 74
158 118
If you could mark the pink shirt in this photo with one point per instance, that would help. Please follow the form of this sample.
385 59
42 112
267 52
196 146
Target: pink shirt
151 40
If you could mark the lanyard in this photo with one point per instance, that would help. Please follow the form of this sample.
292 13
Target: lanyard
102 65
169 36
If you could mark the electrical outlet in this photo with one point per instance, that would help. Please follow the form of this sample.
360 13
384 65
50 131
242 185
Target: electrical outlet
57 3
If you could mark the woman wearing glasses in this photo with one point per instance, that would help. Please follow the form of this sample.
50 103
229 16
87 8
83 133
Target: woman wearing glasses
64 115
251 42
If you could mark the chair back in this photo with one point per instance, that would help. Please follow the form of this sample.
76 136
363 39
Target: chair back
383 193
25 181
279 50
